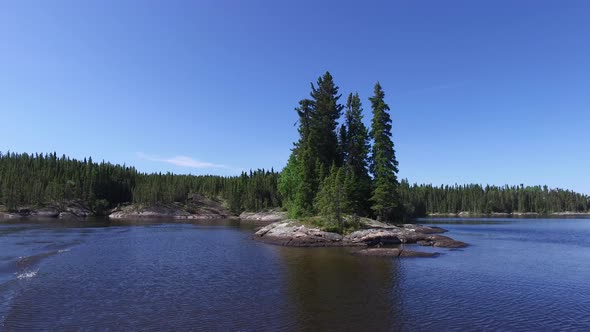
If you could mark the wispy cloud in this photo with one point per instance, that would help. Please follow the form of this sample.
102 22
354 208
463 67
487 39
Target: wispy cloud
182 161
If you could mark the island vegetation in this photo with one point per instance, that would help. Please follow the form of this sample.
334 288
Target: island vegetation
339 171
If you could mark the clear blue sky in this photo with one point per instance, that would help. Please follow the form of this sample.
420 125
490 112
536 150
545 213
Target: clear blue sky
491 92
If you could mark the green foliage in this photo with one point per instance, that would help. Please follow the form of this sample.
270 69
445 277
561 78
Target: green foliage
316 150
327 173
289 185
253 191
383 161
324 121
355 147
37 180
332 199
27 180
348 225
420 200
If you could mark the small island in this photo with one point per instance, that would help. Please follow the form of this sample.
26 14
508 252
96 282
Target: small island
339 188
376 238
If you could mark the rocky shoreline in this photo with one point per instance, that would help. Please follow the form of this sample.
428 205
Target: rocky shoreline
196 207
468 214
294 234
265 216
74 209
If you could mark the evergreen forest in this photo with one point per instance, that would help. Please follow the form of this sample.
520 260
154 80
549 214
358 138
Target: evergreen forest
338 167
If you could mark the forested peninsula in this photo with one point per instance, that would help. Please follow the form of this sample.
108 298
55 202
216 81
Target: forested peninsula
339 171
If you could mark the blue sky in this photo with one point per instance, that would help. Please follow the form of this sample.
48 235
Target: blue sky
491 92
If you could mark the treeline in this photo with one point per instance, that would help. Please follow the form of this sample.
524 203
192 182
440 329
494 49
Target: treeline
45 179
420 200
337 167
251 191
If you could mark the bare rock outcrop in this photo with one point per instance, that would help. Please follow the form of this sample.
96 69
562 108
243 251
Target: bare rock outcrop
293 233
196 207
441 241
68 209
376 236
289 233
265 216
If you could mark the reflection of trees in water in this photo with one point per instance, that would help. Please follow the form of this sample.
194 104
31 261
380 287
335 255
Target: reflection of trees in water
333 290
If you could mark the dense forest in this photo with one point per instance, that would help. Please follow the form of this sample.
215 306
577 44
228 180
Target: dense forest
39 180
420 200
337 167
45 179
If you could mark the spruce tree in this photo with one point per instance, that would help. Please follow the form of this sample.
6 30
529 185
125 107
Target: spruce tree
332 202
356 156
317 148
384 166
324 122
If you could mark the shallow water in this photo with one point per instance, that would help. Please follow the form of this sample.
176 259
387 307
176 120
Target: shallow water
517 274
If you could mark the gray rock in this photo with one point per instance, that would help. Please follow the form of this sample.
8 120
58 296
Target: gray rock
8 215
441 241
24 212
293 233
197 207
376 236
78 209
422 229
289 233
48 212
68 215
267 216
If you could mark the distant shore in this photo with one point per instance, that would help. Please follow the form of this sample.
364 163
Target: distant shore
511 214
204 208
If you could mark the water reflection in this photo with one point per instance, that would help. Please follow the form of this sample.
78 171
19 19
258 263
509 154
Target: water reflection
333 290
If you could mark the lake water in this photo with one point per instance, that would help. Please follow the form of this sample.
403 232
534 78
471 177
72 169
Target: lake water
517 274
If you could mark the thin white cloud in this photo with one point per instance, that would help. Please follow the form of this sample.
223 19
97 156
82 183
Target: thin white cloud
182 161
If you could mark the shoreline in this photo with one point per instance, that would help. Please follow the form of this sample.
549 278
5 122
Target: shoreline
466 214
206 209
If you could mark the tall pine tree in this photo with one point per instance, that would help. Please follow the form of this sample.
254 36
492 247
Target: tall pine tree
317 148
384 166
356 156
324 122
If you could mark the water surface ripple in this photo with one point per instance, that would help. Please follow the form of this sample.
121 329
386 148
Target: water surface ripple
518 274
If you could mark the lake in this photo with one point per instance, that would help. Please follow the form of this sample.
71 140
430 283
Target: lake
517 274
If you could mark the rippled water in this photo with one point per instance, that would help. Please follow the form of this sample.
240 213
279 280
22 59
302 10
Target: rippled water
518 274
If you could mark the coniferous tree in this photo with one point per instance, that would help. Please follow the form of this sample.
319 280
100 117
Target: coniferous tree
306 153
343 144
383 162
332 201
356 156
289 185
325 121
317 148
326 174
39 180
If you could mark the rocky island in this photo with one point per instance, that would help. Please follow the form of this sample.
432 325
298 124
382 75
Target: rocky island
374 237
